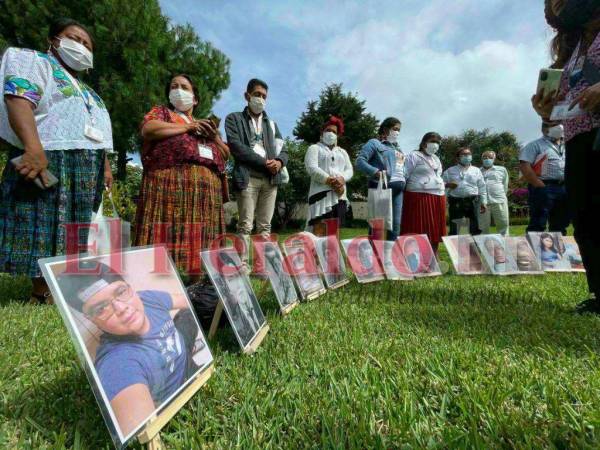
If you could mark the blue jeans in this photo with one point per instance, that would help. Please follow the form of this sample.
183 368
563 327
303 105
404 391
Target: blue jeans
549 206
397 197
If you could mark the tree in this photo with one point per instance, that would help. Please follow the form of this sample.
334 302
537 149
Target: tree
360 126
136 50
505 144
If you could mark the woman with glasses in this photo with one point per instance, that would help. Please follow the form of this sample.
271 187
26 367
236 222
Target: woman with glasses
143 356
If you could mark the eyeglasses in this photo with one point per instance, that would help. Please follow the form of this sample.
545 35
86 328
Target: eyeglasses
105 309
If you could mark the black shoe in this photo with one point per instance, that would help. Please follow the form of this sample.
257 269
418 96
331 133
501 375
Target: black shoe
591 306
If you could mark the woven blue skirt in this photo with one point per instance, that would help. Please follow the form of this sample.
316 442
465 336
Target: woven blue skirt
32 219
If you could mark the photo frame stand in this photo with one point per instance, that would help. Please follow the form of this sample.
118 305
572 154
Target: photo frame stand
254 343
288 309
315 295
251 348
150 434
339 284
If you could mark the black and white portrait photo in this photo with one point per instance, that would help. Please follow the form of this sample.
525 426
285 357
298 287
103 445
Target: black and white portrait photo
224 268
331 261
278 274
362 260
305 271
394 264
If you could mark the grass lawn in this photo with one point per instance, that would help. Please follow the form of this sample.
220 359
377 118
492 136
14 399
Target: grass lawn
448 362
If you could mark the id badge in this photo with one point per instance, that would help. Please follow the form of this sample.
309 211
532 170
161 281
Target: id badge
93 133
205 152
561 111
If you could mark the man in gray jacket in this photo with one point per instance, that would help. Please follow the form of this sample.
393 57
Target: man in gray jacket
257 147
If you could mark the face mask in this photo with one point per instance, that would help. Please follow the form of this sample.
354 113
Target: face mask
413 262
487 163
432 148
556 132
75 55
465 160
182 100
257 104
329 138
392 136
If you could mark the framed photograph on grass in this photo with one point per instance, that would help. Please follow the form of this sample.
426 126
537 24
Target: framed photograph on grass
550 251
524 256
419 255
279 275
332 262
224 267
362 260
303 267
495 254
573 254
135 333
390 257
464 255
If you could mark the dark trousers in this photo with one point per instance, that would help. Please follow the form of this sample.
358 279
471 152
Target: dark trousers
583 189
548 206
463 208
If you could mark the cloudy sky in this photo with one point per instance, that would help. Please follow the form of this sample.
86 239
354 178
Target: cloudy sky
436 64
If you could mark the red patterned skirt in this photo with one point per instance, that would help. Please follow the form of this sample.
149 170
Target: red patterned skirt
183 208
424 214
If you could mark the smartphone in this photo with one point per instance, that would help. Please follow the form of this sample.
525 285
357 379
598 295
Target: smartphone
52 180
549 80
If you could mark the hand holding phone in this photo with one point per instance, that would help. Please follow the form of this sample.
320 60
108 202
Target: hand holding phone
51 179
549 80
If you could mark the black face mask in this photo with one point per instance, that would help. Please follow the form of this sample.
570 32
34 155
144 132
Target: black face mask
575 14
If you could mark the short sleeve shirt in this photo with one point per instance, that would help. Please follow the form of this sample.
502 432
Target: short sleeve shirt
62 105
496 181
157 359
551 156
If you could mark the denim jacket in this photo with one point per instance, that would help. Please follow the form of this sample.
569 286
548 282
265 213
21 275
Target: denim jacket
375 156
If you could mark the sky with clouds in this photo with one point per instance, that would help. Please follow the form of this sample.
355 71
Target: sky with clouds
438 65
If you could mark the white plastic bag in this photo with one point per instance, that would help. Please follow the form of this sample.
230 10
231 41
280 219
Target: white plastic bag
379 202
285 176
112 233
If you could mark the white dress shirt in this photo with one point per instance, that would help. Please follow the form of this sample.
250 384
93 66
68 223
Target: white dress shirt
496 181
423 173
469 182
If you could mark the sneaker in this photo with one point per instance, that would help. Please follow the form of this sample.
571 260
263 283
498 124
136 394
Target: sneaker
591 306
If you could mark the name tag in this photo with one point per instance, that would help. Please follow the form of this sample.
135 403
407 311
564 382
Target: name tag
259 150
93 133
205 152
561 111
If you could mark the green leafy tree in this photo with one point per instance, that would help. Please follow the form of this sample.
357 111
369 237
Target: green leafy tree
136 50
360 126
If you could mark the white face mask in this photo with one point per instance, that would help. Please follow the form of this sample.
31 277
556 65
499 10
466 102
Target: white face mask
329 138
432 148
556 132
257 104
75 55
393 136
182 100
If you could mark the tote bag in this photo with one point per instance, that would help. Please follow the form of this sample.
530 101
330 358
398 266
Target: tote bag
109 237
379 202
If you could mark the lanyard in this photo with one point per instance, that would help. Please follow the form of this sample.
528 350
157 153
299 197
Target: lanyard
257 126
84 95
184 117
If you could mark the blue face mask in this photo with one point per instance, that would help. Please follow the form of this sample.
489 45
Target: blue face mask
487 163
413 262
465 160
